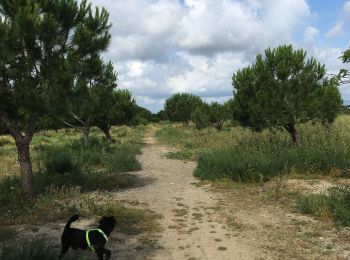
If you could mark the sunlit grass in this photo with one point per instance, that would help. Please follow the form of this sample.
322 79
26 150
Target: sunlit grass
244 155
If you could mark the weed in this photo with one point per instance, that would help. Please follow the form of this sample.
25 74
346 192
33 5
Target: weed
334 204
243 155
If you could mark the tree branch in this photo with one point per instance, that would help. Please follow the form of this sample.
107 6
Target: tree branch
77 118
31 126
11 126
73 126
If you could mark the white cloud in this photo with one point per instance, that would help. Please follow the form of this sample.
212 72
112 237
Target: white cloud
220 25
336 31
310 34
346 9
328 56
161 47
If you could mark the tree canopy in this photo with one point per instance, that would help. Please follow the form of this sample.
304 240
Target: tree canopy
115 108
284 88
180 106
37 40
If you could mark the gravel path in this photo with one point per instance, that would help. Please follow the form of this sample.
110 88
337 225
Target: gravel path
191 223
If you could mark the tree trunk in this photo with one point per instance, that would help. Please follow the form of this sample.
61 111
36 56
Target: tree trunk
105 130
22 144
219 126
293 133
26 167
86 132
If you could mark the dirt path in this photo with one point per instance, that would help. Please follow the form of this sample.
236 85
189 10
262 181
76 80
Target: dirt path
192 227
209 221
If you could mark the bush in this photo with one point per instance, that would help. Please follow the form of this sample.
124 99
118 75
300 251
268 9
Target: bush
201 116
253 165
122 160
244 155
60 162
336 204
97 166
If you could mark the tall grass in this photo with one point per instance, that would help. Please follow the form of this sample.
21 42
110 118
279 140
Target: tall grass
243 155
336 204
64 170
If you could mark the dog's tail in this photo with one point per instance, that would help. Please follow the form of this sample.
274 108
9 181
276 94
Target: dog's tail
72 219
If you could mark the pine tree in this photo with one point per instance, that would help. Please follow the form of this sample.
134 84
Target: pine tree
37 39
283 89
179 107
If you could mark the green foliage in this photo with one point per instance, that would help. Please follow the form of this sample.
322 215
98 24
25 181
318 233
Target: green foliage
46 49
162 116
73 164
99 168
335 203
255 165
284 89
346 56
179 107
171 135
244 155
213 114
201 116
143 113
218 114
59 161
124 107
37 74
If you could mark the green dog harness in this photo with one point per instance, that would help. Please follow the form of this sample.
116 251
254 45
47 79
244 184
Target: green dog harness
88 239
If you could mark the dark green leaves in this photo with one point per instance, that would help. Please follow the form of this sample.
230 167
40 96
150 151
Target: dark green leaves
283 88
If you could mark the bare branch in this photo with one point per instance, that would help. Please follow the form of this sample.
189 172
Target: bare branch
72 126
78 119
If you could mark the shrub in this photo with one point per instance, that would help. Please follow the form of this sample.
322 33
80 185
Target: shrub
122 159
244 155
60 162
335 203
200 116
255 165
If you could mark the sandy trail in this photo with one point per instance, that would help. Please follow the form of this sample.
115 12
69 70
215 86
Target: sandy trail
192 228
208 222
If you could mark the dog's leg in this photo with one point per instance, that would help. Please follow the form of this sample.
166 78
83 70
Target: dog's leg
99 254
64 249
108 253
102 251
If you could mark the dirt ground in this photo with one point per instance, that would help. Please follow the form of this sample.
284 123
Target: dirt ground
206 221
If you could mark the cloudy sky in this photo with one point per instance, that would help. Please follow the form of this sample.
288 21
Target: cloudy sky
161 47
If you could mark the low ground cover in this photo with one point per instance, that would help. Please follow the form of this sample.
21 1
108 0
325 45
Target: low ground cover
243 155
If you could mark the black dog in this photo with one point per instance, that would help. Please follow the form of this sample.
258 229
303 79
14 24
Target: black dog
94 239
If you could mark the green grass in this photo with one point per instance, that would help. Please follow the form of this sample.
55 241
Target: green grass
64 172
336 204
243 155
